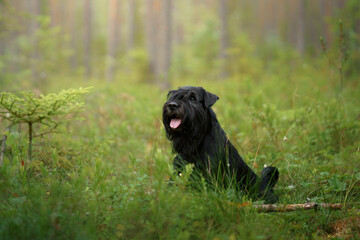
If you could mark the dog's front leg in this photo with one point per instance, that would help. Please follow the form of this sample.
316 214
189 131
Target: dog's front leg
178 164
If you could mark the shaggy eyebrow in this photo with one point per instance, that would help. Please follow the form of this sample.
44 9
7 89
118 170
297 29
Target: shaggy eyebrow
192 94
176 95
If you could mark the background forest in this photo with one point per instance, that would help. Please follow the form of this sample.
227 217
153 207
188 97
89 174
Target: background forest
83 153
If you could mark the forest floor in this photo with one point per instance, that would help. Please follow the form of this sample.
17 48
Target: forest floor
106 177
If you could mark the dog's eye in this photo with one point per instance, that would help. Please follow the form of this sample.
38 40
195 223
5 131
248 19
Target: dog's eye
192 98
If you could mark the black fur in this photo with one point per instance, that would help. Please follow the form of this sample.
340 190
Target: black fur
200 140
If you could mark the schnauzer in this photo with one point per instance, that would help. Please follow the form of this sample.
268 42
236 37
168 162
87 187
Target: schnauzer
197 138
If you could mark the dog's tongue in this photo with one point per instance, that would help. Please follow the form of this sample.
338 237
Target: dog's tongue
175 123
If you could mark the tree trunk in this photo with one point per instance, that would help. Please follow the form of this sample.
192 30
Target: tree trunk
72 31
132 24
87 36
224 38
112 41
325 12
34 9
54 13
151 31
3 40
300 39
166 50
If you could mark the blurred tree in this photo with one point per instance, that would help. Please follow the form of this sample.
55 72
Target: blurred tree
54 12
87 36
326 12
71 29
112 39
350 15
224 39
34 9
268 23
151 28
159 39
167 41
300 32
132 24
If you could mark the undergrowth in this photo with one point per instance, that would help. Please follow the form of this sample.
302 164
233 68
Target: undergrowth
107 176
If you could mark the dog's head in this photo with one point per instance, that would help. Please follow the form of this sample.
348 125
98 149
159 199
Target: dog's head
186 112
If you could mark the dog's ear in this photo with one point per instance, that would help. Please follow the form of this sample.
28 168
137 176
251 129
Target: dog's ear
209 99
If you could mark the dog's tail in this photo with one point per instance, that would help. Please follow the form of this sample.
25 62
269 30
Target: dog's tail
269 177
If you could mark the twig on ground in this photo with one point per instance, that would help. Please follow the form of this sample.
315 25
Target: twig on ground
289 207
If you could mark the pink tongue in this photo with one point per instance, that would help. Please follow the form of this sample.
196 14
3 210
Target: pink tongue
175 123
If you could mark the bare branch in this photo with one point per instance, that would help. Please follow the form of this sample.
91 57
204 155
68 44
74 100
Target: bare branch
289 207
11 111
52 130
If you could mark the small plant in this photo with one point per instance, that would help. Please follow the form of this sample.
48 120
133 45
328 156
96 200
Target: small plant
338 58
27 108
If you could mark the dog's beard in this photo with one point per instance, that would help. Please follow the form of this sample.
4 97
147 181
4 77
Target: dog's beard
186 128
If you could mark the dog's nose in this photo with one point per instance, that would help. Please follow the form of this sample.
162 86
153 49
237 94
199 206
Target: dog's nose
173 105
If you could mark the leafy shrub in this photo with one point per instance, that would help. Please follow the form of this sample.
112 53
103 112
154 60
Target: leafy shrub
44 110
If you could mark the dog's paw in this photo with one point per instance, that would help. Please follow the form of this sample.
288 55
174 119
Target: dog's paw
269 177
270 197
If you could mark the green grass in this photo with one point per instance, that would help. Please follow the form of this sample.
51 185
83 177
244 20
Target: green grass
106 177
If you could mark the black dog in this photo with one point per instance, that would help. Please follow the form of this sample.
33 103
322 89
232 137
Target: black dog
198 138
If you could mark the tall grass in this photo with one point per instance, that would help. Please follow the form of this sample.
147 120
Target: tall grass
107 177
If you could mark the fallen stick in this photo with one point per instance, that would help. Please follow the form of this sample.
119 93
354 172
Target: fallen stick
290 207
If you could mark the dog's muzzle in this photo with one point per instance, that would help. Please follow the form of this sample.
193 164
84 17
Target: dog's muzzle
173 115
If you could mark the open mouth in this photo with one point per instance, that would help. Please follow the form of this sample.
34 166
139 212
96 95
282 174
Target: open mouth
175 123
173 117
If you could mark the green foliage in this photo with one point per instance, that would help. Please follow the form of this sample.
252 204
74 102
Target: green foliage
27 108
45 110
107 177
350 15
240 60
39 56
198 59
338 56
